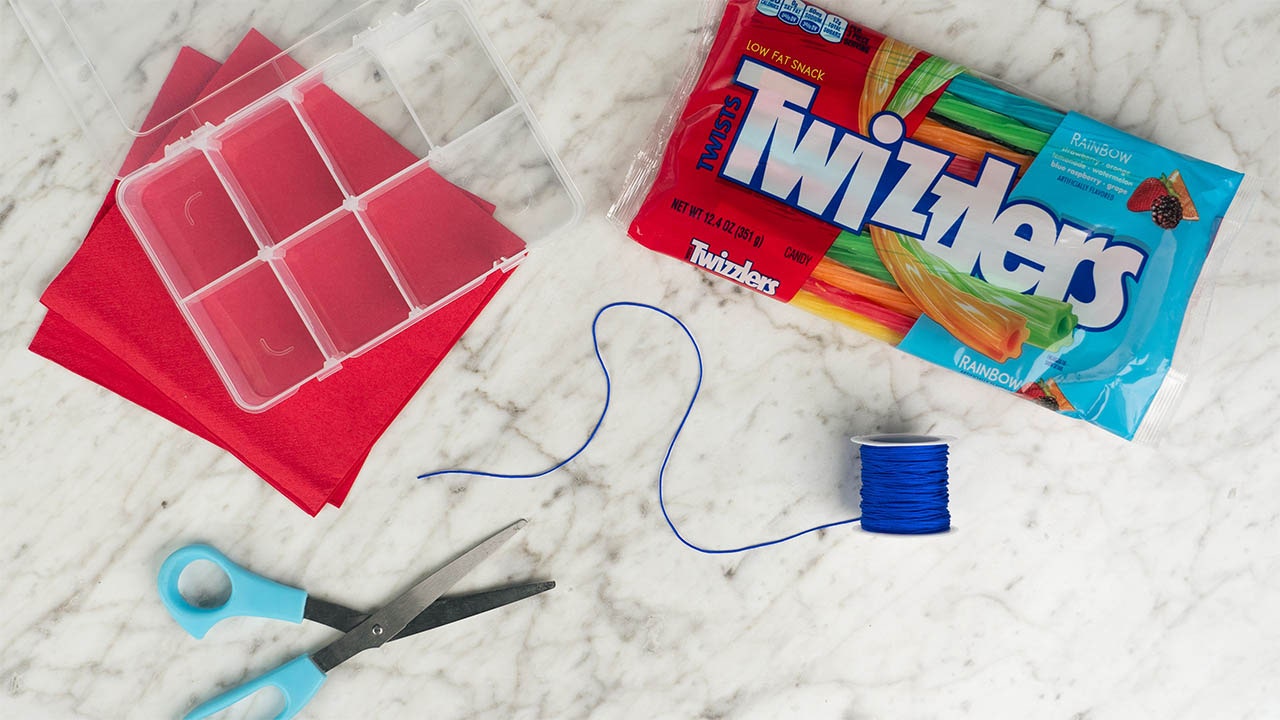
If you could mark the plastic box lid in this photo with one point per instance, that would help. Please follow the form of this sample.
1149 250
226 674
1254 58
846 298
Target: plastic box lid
285 253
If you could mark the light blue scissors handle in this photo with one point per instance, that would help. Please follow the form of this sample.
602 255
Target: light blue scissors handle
298 680
251 595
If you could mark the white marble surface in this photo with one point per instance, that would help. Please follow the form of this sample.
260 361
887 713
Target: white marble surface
1085 578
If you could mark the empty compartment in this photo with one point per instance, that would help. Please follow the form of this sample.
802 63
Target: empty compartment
188 222
362 124
256 336
503 162
445 72
346 284
437 238
279 170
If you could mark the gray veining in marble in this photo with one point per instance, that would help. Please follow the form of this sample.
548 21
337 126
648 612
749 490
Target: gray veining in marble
1085 578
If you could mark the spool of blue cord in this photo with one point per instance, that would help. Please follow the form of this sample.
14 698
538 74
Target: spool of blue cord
904 484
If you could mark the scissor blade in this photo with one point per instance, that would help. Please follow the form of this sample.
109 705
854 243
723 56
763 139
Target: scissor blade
338 617
452 609
442 612
388 622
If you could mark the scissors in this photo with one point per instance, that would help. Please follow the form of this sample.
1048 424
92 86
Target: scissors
419 608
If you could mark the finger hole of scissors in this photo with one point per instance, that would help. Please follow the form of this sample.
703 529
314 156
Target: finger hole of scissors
205 585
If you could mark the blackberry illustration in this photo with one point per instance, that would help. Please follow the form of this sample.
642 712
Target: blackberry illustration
1167 212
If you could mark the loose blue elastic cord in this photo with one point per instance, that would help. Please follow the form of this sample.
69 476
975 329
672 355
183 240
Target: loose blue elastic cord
608 394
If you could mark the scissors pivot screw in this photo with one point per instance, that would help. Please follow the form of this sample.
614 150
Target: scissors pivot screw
376 629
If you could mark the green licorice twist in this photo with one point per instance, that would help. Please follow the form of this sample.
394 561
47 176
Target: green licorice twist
1050 322
1000 128
857 252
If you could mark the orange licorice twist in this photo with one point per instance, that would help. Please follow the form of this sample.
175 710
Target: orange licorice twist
966 145
989 329
858 304
833 273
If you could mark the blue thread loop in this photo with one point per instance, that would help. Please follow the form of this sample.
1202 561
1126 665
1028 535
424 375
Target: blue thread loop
903 499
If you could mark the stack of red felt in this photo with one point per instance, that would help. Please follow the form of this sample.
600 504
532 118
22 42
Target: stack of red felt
111 320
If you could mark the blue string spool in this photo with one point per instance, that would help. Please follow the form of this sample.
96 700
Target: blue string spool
904 484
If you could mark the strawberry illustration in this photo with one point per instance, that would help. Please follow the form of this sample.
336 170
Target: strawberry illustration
1150 191
1035 393
1047 393
1145 196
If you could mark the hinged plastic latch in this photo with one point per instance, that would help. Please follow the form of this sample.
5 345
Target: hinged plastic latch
200 138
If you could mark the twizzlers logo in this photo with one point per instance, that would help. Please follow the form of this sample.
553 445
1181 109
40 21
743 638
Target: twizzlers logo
785 152
703 256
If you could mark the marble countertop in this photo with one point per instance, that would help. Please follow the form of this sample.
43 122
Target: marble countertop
1084 577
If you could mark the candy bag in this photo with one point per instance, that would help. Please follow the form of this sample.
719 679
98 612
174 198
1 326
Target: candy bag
847 173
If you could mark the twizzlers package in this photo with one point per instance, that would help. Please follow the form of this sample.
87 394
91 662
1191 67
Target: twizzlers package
828 166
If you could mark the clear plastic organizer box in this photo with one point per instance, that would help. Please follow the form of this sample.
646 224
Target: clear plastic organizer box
294 236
